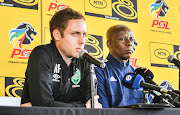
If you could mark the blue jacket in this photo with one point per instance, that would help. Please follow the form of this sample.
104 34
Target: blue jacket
110 89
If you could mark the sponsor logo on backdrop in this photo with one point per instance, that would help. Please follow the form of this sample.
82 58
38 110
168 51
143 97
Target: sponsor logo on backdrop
125 10
29 4
176 51
94 44
55 6
159 9
160 53
14 86
22 35
98 3
133 62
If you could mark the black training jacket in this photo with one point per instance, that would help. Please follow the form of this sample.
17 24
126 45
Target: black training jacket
49 82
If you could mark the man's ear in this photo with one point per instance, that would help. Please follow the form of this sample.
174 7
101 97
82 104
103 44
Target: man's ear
109 44
56 34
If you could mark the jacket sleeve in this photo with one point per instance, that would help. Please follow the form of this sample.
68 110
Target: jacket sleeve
101 88
38 83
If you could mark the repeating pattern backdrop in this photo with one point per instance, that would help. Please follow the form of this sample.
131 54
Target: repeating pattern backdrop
25 24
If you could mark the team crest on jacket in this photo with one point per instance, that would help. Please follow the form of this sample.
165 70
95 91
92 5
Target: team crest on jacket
76 78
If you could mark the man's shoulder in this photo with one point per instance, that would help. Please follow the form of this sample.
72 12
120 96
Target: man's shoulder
106 61
42 48
42 51
99 70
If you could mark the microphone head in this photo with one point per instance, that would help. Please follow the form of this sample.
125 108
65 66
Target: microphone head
137 81
132 81
166 85
84 54
81 53
170 58
146 73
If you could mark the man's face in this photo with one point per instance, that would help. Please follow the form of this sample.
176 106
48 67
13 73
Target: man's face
121 45
74 38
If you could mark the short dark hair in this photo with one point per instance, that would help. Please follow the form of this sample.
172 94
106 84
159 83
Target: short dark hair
114 29
117 28
60 20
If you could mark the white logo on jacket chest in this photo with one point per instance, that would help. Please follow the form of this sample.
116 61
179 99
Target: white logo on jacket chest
112 79
56 78
57 68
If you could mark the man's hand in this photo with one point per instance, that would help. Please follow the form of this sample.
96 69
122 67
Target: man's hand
26 104
96 103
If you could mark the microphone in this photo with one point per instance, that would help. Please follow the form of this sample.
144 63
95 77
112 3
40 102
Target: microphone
130 78
84 54
167 85
147 74
136 81
173 59
162 98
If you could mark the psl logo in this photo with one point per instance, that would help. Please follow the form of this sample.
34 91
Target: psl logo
23 34
134 62
57 6
159 9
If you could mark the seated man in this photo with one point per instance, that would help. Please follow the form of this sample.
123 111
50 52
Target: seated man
112 93
55 75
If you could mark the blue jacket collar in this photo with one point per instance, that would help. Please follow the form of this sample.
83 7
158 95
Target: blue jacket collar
116 62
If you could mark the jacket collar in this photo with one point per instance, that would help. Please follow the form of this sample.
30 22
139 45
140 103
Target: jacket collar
59 55
114 61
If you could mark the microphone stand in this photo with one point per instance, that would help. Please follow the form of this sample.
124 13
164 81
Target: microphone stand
93 86
145 99
179 78
165 97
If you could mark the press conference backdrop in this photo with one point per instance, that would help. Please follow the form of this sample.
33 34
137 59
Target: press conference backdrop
25 24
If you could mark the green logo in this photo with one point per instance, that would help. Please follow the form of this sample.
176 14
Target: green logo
76 78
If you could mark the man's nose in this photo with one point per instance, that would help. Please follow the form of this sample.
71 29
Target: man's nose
129 41
82 40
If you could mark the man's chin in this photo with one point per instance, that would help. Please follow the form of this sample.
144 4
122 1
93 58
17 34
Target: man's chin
76 56
127 57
